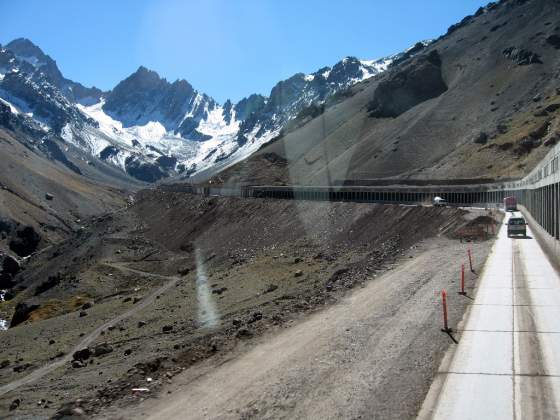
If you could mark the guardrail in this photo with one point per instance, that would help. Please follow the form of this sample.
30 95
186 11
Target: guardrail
461 196
539 193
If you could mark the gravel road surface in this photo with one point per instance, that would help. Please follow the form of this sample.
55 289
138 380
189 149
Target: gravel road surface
373 355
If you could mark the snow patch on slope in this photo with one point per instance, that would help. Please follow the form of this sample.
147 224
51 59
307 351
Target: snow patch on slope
153 140
373 67
13 109
34 61
194 107
216 126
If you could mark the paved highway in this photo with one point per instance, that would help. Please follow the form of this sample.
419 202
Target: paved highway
507 362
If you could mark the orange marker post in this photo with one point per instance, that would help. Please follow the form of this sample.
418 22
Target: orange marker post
462 292
444 302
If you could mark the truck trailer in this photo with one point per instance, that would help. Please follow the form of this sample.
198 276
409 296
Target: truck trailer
510 203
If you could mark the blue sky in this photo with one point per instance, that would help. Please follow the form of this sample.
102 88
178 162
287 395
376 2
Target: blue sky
225 48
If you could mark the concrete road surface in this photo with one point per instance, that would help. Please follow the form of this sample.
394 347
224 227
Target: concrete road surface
507 364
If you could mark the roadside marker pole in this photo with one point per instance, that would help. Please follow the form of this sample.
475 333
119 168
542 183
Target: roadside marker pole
462 292
444 302
470 258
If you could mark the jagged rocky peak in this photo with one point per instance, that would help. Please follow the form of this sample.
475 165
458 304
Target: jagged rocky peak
26 50
289 97
347 69
144 78
29 53
227 111
246 106
144 96
132 88
285 92
30 59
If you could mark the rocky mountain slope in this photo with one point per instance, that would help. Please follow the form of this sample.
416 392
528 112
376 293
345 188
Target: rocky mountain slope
482 101
47 188
151 128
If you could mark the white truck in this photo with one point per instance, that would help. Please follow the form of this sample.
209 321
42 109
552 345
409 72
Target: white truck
439 202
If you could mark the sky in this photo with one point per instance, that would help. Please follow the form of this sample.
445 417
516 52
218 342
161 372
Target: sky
225 48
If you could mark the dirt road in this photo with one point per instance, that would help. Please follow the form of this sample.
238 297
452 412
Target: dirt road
371 356
93 335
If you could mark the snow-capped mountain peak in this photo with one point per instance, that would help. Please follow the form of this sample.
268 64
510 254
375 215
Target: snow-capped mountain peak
23 55
26 51
152 128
